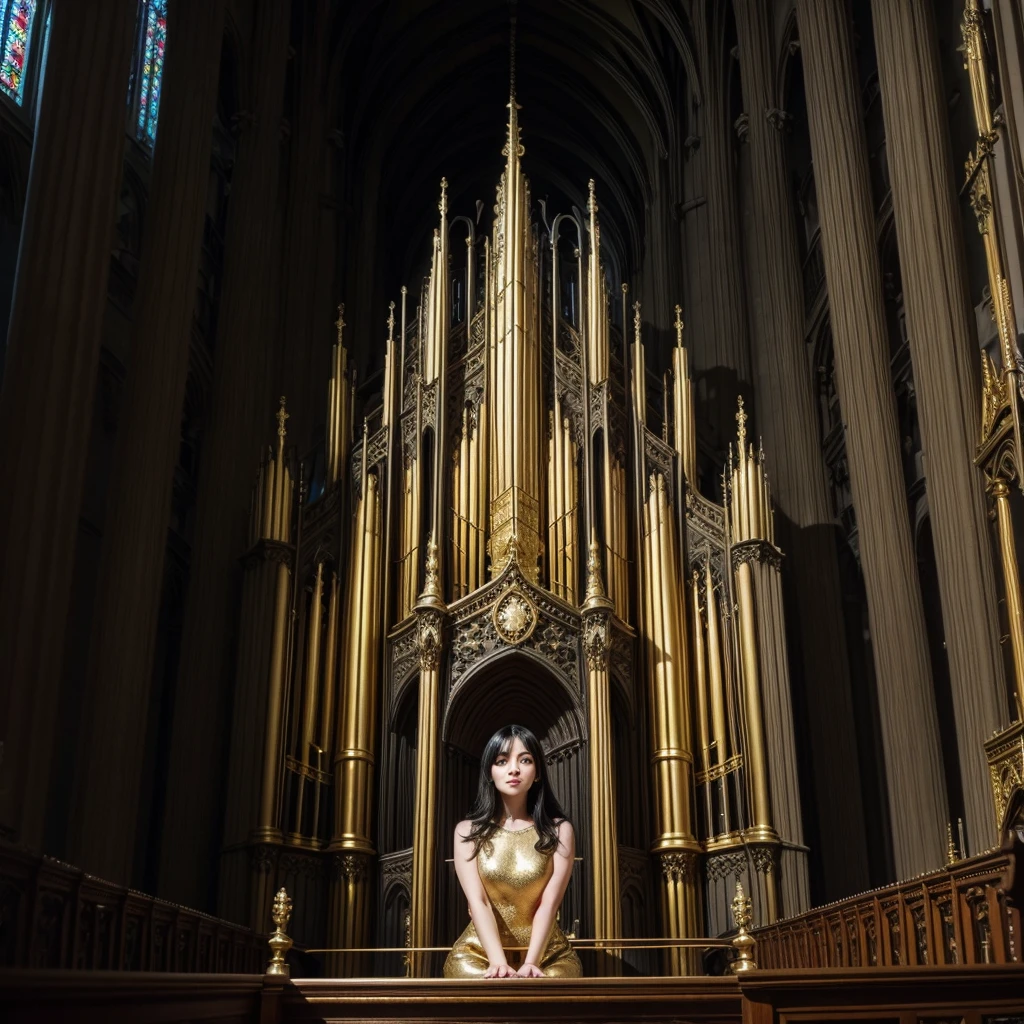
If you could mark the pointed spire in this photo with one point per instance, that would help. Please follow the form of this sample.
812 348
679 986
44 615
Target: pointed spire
596 596
282 418
679 326
442 203
741 420
637 322
340 322
592 200
391 321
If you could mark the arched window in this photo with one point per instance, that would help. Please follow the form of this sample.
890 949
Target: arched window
16 23
148 69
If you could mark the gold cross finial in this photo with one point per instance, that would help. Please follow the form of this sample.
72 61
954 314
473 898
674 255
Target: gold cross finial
391 321
741 419
282 417
679 325
636 321
340 322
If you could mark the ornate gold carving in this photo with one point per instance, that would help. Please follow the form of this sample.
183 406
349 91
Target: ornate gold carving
430 625
596 640
744 942
1005 752
678 865
515 617
993 396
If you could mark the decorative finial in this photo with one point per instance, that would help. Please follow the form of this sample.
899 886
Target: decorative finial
636 322
279 942
282 417
431 576
340 322
442 204
592 201
741 419
951 857
596 595
744 942
679 326
391 321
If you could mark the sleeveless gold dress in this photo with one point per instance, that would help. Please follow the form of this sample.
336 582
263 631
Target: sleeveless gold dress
514 874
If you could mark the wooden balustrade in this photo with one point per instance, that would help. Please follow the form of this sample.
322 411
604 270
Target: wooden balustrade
959 915
992 994
53 915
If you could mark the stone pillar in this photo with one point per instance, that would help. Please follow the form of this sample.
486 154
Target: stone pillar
719 338
307 331
231 442
53 346
910 736
135 533
946 380
787 418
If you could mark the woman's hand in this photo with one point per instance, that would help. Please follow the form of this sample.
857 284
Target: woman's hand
529 971
499 971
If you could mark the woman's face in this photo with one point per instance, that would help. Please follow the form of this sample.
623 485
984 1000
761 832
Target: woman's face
514 773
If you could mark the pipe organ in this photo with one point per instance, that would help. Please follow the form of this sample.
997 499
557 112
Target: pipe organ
512 531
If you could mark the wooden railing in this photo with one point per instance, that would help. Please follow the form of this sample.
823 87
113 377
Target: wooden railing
53 915
959 915
886 995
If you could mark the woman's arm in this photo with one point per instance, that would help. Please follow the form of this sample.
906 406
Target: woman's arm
550 901
479 906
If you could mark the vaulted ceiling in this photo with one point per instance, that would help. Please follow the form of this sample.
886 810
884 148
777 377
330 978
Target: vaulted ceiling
420 88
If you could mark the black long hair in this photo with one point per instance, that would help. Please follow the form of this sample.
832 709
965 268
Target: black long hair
541 803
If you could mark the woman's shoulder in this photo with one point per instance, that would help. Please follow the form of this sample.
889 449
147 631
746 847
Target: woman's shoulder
463 828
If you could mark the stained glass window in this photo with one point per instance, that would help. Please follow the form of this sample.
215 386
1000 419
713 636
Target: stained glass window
149 68
16 17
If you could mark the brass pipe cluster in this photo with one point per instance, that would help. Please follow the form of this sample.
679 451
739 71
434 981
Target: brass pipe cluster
751 516
270 516
1001 451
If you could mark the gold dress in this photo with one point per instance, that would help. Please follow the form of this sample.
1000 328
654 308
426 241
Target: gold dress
514 874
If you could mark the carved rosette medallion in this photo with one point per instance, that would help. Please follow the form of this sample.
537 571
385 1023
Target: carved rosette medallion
514 617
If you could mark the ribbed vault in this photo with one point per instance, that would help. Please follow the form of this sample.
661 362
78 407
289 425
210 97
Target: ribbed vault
419 89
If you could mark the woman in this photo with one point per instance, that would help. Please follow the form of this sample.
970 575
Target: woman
513 856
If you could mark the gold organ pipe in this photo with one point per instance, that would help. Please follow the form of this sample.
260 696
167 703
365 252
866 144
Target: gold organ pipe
330 674
1011 583
715 677
754 754
267 826
984 200
700 661
309 701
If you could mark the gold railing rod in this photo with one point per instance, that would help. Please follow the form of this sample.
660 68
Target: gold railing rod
602 944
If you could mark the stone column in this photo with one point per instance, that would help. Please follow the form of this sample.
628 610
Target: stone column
719 339
53 346
945 359
139 497
307 332
239 405
910 736
785 406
